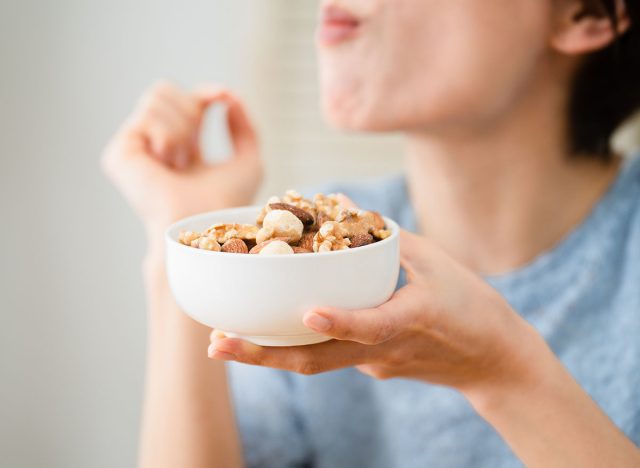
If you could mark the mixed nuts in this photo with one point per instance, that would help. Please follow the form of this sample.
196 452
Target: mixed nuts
293 224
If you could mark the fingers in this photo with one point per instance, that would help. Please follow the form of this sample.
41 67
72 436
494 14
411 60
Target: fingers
413 249
170 120
346 201
367 326
242 132
308 360
126 155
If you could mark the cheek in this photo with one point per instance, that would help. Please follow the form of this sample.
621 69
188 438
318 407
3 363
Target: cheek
412 70
351 80
482 68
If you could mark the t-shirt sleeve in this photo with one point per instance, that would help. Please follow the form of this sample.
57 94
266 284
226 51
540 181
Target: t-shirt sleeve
269 422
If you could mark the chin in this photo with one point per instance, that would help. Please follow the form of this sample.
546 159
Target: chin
356 116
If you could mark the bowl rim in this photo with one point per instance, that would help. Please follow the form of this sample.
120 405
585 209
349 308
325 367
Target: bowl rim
170 240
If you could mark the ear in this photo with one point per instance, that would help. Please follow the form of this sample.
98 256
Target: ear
582 27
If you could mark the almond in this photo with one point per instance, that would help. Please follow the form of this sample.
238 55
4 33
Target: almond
235 246
306 241
304 216
361 239
300 250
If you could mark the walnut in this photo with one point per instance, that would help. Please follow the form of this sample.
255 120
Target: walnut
208 243
381 234
330 237
187 237
328 206
359 222
378 220
356 222
294 198
223 232
282 224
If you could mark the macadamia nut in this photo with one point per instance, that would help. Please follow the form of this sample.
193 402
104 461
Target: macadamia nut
280 223
276 247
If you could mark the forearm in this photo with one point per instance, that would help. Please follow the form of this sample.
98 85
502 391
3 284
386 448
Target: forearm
550 421
187 418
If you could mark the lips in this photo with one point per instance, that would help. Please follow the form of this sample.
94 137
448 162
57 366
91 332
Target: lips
337 25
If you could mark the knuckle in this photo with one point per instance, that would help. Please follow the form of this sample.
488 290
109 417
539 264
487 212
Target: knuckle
343 330
255 359
160 148
155 93
190 105
395 358
383 332
161 141
255 356
161 87
307 367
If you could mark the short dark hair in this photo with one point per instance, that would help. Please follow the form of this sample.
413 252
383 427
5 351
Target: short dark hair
606 88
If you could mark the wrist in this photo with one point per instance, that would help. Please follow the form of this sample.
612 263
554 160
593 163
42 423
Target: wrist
526 366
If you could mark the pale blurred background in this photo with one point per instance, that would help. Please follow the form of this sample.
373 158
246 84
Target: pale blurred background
72 319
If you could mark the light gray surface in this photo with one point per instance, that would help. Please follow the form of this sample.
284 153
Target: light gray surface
72 333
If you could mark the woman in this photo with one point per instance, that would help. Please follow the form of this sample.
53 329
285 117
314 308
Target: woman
522 304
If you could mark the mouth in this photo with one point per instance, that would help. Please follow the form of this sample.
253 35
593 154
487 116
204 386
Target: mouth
337 25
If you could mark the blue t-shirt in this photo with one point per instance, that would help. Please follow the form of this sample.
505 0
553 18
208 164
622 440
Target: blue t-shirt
583 296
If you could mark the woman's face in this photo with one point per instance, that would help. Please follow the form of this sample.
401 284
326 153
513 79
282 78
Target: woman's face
391 65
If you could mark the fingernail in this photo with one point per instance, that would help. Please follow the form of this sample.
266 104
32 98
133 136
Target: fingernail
317 322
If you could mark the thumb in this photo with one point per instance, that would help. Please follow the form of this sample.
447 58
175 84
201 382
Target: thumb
346 201
367 326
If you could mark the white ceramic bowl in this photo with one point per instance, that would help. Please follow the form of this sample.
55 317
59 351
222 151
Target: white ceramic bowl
262 298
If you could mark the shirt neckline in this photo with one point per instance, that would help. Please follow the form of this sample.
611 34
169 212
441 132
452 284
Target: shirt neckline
570 247
569 253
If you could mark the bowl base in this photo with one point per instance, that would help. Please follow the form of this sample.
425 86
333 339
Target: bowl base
281 340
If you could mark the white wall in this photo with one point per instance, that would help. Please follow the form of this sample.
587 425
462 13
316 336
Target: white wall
72 320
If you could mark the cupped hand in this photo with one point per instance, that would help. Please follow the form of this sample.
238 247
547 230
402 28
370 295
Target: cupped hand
446 326
157 163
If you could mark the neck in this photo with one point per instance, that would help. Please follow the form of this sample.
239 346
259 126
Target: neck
496 198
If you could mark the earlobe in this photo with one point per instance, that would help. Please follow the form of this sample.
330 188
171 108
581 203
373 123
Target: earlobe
578 31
